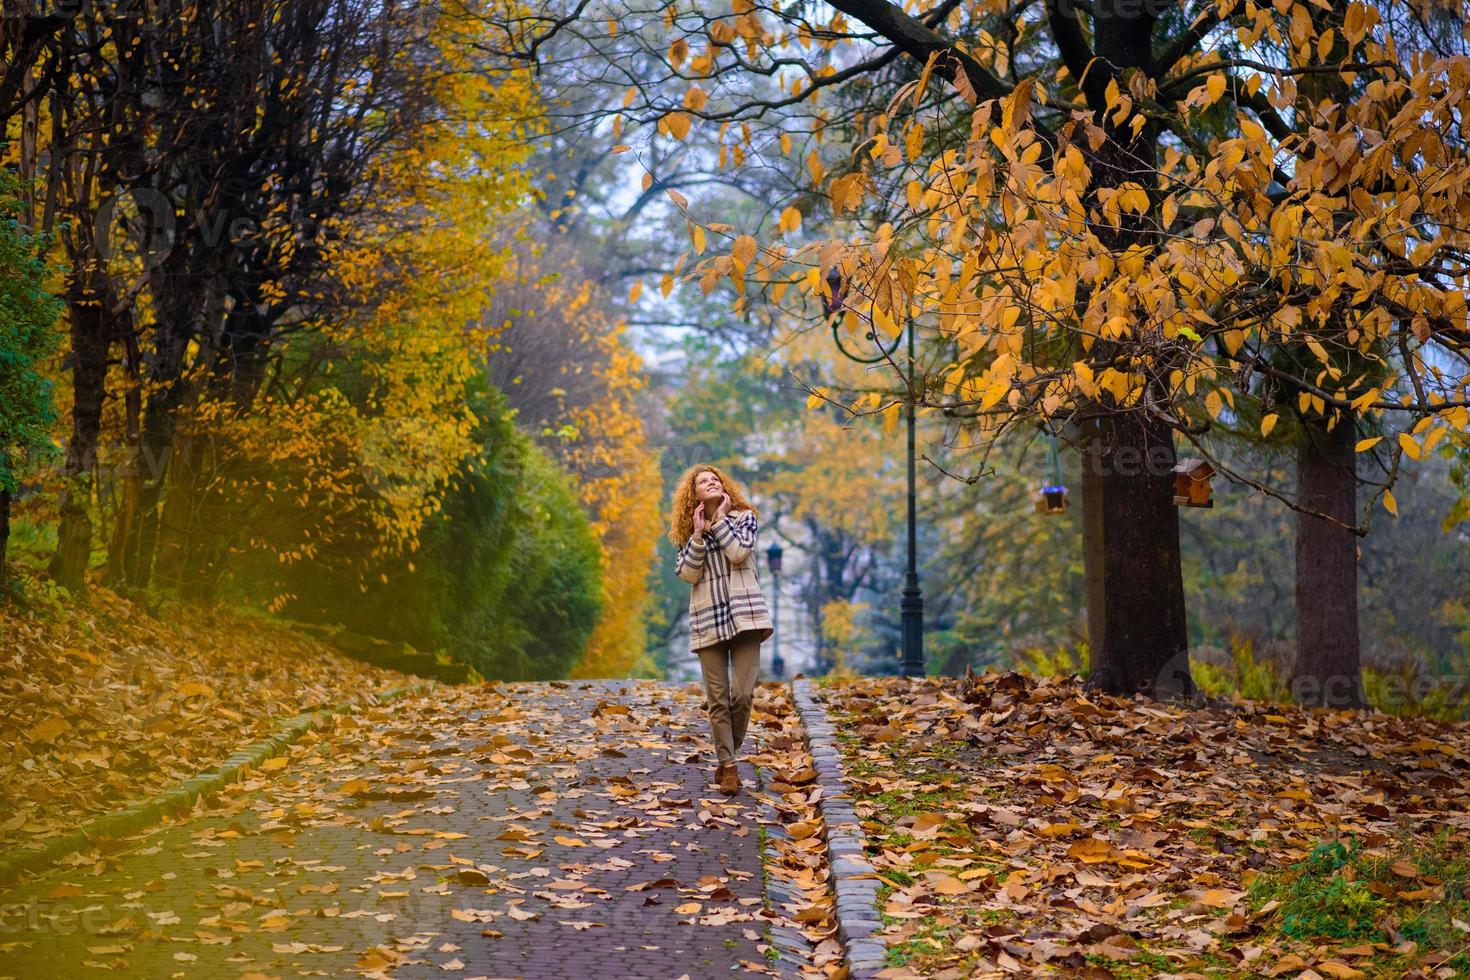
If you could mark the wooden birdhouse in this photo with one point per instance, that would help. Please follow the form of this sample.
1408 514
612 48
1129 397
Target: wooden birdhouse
1051 500
1192 483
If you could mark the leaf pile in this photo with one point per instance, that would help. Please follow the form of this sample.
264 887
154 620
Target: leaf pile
1027 826
800 854
107 705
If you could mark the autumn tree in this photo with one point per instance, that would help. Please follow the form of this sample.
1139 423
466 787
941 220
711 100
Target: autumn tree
561 352
1097 211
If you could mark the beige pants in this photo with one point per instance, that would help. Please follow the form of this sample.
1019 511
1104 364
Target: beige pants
729 685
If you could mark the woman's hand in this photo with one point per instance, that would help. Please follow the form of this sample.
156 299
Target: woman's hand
699 517
724 507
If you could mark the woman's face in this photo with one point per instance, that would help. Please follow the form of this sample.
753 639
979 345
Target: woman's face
707 486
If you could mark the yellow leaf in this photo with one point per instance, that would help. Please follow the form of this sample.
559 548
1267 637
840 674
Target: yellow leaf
1268 423
914 142
635 291
744 250
696 235
677 124
790 219
1220 898
48 730
1366 444
276 764
1390 504
1214 88
1085 382
1409 445
948 885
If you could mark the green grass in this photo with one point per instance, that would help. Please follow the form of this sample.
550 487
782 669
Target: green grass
1341 891
1145 964
902 804
929 937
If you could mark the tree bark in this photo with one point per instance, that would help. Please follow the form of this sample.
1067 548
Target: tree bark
1138 637
90 332
181 284
4 544
1328 669
1131 525
127 475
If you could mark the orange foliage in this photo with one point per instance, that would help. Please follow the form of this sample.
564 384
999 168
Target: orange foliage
607 450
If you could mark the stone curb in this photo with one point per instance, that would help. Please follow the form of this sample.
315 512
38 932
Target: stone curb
15 865
858 921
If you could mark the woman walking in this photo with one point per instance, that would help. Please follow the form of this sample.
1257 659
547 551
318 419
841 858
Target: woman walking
714 528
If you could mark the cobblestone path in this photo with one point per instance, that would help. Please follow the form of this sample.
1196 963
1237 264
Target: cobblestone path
547 831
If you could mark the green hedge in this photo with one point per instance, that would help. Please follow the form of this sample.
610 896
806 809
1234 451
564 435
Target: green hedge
507 577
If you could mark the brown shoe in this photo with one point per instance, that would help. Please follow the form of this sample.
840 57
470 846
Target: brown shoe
729 780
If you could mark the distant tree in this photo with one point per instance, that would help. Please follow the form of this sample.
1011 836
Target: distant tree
28 337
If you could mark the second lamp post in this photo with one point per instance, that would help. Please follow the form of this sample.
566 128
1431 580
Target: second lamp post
911 602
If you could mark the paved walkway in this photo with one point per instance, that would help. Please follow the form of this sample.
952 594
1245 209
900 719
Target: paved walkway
536 830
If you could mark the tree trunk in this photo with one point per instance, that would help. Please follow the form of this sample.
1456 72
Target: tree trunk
182 287
1094 547
4 544
90 331
128 471
1328 669
1131 546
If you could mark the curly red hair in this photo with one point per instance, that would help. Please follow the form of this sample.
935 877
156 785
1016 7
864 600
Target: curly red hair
681 522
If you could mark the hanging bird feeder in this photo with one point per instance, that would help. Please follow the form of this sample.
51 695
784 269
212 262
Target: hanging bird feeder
1052 498
1192 483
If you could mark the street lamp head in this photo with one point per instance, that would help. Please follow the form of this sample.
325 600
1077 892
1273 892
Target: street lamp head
773 556
836 288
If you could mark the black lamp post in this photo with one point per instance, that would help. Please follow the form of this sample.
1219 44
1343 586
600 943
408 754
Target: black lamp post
773 556
911 603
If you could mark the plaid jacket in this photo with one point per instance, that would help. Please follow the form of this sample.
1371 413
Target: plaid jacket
726 596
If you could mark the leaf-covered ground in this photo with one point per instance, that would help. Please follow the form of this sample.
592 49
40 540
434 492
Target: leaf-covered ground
1025 826
543 831
107 705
